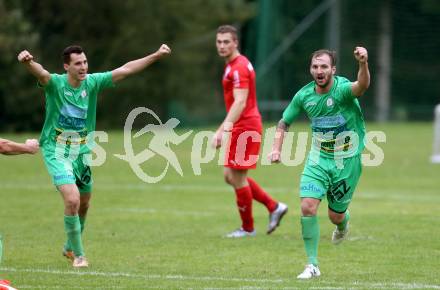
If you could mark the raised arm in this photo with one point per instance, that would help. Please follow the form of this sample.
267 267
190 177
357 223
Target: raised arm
36 69
138 65
240 98
8 147
359 87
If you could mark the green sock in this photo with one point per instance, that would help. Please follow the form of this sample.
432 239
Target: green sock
72 227
82 221
343 224
68 244
310 233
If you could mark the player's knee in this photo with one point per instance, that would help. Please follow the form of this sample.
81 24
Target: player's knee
83 207
228 178
72 204
308 209
336 218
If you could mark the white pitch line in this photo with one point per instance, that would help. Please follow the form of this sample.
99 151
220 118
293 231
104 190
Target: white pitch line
331 285
398 285
205 187
145 187
168 211
70 287
141 276
385 195
392 195
82 287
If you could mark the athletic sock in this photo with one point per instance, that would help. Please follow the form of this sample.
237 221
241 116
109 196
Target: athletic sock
72 227
244 204
261 196
82 221
343 224
310 234
68 244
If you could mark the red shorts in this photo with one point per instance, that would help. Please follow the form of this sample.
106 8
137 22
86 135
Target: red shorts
243 149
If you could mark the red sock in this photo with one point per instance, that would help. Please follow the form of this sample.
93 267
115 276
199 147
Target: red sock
244 204
261 196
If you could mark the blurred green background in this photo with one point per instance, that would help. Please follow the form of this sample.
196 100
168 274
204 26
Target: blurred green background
277 35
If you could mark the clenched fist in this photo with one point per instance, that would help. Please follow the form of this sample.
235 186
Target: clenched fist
274 156
163 50
361 54
32 145
25 56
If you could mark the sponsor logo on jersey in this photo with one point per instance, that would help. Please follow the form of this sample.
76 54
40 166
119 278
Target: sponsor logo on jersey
67 93
330 102
309 104
328 121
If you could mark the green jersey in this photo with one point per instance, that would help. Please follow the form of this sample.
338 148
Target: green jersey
336 118
72 111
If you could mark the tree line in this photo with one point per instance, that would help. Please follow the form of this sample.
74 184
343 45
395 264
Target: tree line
187 85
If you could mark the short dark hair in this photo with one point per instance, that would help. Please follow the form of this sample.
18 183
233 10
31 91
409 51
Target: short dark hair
330 53
228 29
69 50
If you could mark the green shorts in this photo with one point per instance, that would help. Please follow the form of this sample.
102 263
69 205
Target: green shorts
325 178
65 169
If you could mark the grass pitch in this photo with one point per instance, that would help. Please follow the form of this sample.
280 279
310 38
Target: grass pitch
169 235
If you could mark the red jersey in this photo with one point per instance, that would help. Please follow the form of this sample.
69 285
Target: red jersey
239 74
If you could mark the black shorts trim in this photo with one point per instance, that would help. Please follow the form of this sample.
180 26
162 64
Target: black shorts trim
337 211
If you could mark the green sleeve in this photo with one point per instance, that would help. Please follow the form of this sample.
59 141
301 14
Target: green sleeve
50 87
103 80
346 92
293 110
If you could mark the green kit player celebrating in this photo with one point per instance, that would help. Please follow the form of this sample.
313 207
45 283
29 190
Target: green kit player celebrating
71 100
333 165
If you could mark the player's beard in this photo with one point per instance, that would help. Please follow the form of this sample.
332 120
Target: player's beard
327 81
